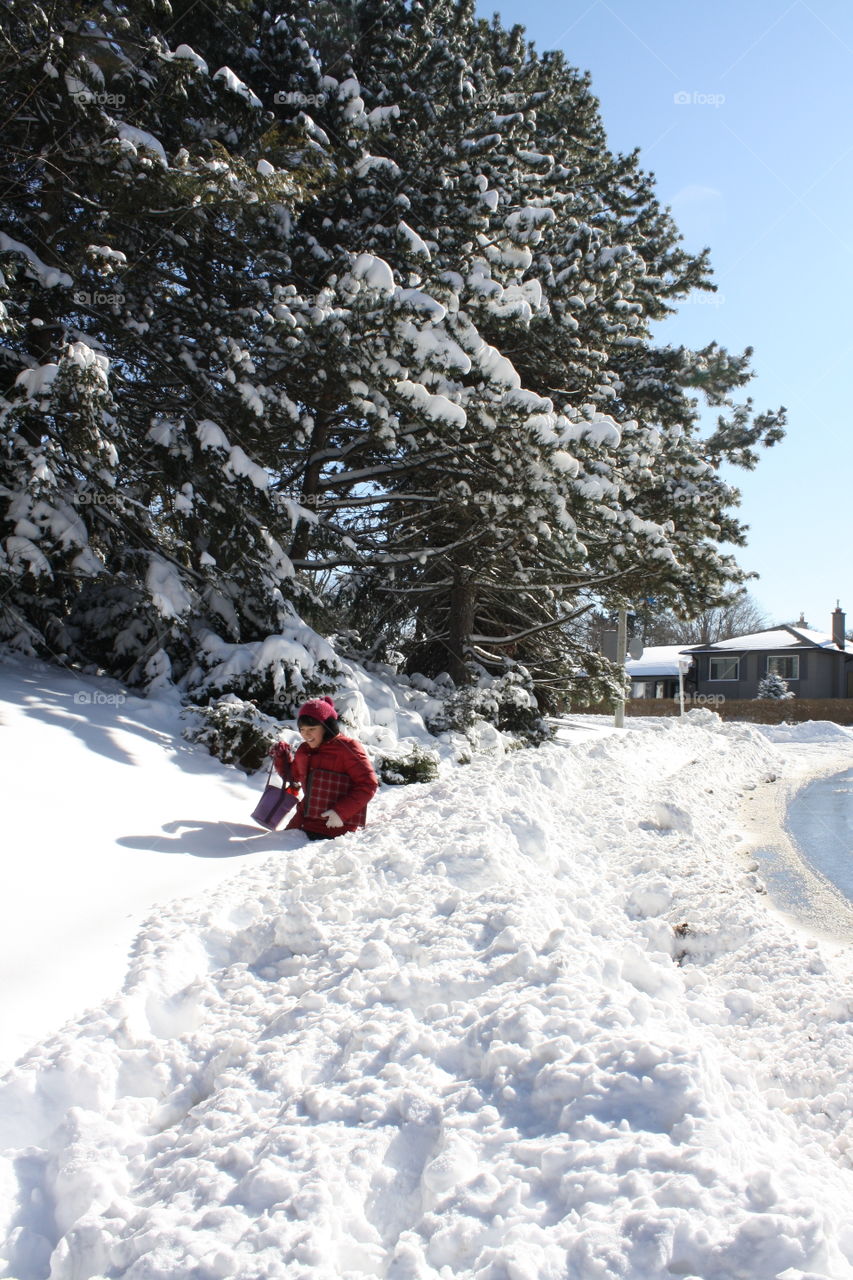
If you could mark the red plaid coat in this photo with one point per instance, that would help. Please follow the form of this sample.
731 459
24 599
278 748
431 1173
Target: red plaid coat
337 775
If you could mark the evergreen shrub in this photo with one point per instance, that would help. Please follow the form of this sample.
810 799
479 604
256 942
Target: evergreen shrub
773 686
233 730
418 765
505 701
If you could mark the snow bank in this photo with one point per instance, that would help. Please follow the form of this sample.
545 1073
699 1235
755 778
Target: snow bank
807 731
535 1022
107 814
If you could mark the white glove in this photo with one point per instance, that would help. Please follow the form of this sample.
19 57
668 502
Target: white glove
332 819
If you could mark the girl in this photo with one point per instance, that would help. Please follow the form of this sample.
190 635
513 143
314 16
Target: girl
333 770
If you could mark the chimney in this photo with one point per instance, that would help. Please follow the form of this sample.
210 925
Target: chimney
838 624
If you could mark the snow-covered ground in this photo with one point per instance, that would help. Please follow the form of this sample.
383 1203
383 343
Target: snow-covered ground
538 1021
103 803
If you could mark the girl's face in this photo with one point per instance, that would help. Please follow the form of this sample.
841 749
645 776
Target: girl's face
313 734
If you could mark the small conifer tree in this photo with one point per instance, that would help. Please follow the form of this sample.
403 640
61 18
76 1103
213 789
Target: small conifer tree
773 687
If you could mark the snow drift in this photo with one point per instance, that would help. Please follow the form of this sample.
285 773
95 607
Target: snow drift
538 1021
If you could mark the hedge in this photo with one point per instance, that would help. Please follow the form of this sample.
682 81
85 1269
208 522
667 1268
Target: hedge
756 710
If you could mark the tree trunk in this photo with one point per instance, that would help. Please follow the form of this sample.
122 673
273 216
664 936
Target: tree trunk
310 486
463 602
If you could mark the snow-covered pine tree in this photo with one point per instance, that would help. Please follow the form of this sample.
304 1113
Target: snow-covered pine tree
146 207
420 429
383 282
609 262
537 240
398 383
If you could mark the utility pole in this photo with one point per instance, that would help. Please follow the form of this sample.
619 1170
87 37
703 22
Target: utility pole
621 649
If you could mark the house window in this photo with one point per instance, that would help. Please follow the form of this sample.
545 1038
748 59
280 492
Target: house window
787 666
724 669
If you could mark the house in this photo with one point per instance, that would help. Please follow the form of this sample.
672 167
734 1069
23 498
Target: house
814 664
655 674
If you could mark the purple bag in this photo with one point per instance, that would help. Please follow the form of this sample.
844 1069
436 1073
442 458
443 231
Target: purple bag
274 804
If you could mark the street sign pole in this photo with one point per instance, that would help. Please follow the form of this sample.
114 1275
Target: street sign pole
684 665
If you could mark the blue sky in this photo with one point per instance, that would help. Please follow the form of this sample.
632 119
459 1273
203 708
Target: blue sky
743 109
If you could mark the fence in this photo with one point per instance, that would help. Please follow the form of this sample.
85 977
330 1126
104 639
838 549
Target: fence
757 710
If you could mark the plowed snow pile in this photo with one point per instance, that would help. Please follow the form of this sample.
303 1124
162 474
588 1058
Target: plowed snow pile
537 1022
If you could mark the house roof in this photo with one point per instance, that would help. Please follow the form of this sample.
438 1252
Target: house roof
784 637
657 660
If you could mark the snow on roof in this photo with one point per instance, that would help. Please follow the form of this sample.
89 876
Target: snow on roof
657 660
778 638
815 637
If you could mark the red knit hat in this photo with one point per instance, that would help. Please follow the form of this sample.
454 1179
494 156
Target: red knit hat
321 709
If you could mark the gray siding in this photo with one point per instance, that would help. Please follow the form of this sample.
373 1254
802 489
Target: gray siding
823 673
739 688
